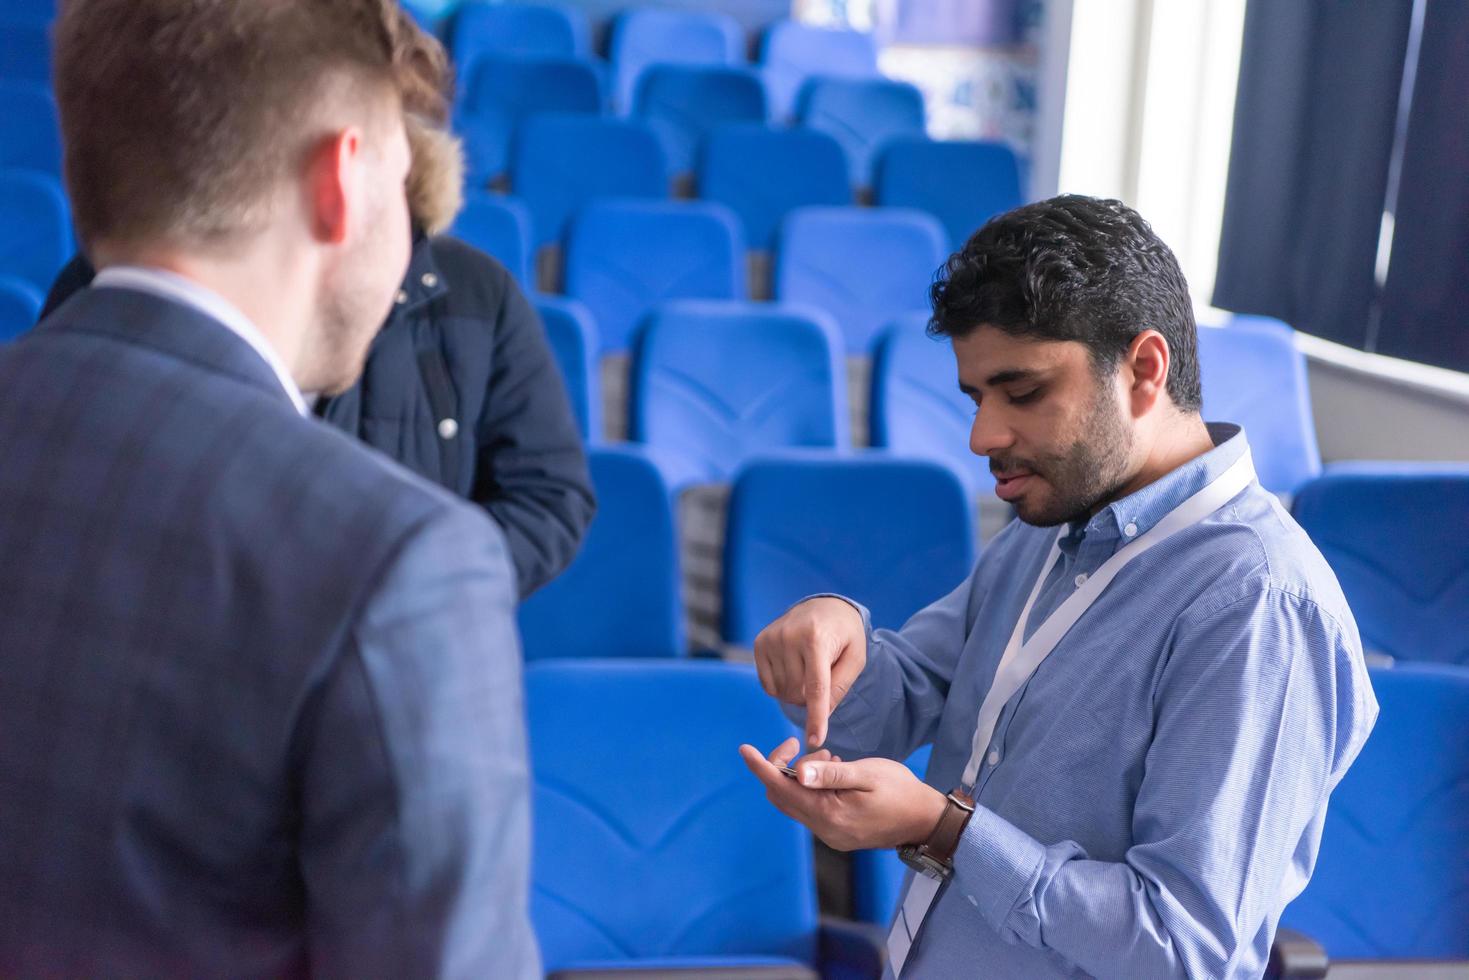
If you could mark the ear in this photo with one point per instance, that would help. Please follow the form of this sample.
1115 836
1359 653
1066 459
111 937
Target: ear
334 175
1146 366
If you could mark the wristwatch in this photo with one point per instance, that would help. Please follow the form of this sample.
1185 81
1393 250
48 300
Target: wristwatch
935 856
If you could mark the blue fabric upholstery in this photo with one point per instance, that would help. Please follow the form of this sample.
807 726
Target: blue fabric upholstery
38 12
717 383
649 36
626 257
30 135
792 52
1397 536
652 840
499 226
1254 375
25 53
1392 878
502 94
620 596
35 227
683 102
763 172
916 407
863 115
562 163
877 876
963 184
864 266
478 29
20 304
573 338
893 534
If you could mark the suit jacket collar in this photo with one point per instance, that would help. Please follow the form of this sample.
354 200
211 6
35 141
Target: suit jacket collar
171 328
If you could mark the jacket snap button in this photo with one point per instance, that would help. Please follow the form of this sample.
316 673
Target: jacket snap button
430 280
448 428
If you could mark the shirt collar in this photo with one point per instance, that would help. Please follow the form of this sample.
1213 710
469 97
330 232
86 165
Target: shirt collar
1135 514
171 286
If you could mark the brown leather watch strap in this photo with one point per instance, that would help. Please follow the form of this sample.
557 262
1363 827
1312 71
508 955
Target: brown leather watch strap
944 840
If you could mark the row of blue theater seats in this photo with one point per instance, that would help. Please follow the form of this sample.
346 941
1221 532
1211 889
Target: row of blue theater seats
790 52
733 884
623 257
562 162
718 382
681 104
799 523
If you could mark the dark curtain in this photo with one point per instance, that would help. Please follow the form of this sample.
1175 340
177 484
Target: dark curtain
1425 314
1313 136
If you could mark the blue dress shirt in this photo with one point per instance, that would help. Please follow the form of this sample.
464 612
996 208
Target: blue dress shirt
1154 795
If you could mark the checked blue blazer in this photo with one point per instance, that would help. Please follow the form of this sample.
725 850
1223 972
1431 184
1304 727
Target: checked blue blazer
260 696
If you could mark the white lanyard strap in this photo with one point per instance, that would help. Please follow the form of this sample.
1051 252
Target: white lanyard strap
1021 659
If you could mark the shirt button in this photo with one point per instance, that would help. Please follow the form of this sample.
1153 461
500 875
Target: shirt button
430 280
402 297
448 428
995 758
1081 580
1130 530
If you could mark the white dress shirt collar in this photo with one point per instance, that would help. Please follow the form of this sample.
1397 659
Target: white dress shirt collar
171 286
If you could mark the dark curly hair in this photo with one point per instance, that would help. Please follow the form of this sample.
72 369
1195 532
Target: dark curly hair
1073 268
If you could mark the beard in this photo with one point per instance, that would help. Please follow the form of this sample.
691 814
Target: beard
1081 478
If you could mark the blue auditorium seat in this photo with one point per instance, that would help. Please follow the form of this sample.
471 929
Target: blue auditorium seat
517 30
30 136
36 12
504 93
20 304
649 36
864 266
877 876
562 163
961 183
654 846
620 595
25 53
573 339
1397 536
915 407
717 383
1254 375
623 258
863 115
500 226
893 534
684 102
1392 878
792 52
35 227
762 173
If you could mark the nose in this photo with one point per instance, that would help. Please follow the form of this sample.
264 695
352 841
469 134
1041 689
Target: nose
989 434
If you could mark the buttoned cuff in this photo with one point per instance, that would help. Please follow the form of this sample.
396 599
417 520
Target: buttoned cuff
996 867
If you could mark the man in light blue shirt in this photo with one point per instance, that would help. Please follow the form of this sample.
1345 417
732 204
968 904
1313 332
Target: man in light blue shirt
1147 800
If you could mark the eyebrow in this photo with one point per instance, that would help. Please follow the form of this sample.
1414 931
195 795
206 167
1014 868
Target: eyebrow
1002 378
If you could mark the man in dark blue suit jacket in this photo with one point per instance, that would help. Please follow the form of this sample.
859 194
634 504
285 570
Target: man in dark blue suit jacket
260 704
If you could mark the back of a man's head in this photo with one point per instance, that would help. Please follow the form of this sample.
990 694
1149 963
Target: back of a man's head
182 119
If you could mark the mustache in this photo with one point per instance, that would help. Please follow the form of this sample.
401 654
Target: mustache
1009 464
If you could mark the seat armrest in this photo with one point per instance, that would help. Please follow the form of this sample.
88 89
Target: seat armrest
851 950
1296 956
